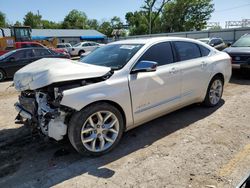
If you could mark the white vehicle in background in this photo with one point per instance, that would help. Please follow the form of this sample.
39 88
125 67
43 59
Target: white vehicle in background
83 47
118 87
65 46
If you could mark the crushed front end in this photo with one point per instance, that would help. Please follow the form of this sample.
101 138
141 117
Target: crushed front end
41 109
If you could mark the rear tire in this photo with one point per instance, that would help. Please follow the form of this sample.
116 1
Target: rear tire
96 129
214 92
2 75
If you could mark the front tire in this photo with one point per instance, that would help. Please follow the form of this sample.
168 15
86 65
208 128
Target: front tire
214 92
96 129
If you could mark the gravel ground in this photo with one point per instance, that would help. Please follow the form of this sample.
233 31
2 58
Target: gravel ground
192 147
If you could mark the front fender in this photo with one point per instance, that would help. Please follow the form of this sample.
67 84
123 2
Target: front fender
116 91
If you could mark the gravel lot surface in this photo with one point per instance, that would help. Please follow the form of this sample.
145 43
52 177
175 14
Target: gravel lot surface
192 147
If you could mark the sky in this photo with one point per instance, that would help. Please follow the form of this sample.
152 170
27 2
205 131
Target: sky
55 10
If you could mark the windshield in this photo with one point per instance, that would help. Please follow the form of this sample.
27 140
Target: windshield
78 44
7 54
114 56
242 42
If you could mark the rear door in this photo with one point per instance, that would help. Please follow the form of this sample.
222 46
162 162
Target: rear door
193 64
156 92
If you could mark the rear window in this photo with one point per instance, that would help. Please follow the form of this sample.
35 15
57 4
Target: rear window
187 50
204 51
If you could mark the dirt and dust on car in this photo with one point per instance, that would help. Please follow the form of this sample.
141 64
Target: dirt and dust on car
193 147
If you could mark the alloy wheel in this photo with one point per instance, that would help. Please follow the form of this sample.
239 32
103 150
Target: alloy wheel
100 131
215 91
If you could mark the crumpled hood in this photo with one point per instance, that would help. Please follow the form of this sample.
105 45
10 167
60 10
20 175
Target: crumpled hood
242 50
46 71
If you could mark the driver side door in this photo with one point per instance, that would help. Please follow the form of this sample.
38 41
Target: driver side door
155 93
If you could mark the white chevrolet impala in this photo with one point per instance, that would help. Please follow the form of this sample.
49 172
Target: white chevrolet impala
118 87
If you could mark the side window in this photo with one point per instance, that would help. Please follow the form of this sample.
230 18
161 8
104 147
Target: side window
204 51
18 55
85 44
23 54
94 44
187 50
160 53
42 52
29 53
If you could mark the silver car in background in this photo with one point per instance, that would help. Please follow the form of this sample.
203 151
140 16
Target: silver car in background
84 47
118 87
65 46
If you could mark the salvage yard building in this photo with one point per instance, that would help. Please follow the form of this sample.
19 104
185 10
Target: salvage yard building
72 36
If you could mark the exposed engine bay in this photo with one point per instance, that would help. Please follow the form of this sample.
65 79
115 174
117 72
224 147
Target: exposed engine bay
42 110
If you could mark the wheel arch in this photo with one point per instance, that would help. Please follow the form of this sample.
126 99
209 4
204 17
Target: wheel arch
219 74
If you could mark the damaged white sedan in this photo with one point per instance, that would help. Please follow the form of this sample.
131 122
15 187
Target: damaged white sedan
118 87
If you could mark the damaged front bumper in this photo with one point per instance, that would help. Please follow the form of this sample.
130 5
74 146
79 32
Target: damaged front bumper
36 111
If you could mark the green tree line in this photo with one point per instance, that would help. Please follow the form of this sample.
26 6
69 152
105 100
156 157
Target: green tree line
154 16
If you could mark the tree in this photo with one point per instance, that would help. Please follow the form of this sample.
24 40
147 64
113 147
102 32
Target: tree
183 15
116 22
33 20
106 28
46 24
153 10
215 28
92 24
2 20
137 21
18 23
75 20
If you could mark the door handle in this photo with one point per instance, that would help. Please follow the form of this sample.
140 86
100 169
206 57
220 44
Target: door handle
173 70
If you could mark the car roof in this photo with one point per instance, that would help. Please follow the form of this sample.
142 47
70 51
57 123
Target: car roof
204 39
30 48
153 40
29 42
209 38
88 42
